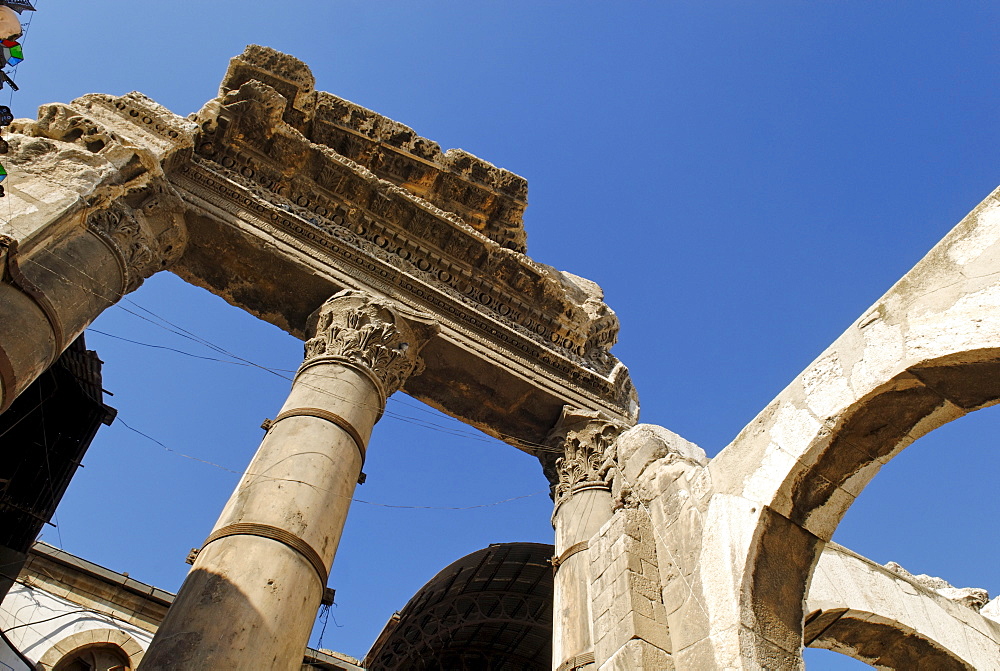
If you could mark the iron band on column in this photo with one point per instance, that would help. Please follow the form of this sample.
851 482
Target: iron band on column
350 363
331 417
567 553
282 536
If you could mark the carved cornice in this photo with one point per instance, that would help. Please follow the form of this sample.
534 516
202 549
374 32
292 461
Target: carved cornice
338 198
489 199
360 330
247 135
586 438
373 206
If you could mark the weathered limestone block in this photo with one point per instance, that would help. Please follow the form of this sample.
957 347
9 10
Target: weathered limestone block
971 597
637 655
489 199
992 610
91 216
630 621
891 619
649 457
298 188
926 353
666 475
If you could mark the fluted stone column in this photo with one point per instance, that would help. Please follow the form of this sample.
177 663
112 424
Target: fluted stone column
57 278
252 596
582 506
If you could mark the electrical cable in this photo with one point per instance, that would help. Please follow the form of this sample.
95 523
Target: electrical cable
456 431
180 331
321 489
537 447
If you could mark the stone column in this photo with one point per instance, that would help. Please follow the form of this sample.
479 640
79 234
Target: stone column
59 276
582 505
251 598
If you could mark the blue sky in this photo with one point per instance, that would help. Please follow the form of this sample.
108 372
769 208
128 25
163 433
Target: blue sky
743 180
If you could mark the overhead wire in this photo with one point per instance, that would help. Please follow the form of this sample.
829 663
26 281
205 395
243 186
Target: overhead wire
166 324
171 327
198 339
283 373
322 489
456 431
32 588
179 331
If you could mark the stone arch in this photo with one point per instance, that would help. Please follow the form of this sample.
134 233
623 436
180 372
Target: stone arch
842 459
884 644
927 353
102 637
890 620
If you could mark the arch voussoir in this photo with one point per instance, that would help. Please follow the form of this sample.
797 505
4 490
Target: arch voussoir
872 613
925 354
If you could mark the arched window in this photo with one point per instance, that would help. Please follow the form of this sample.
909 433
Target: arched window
100 657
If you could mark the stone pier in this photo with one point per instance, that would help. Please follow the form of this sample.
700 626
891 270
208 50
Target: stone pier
251 599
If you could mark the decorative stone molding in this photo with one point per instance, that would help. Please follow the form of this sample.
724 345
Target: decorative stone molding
648 457
586 438
118 227
129 233
371 334
102 637
489 199
441 228
970 597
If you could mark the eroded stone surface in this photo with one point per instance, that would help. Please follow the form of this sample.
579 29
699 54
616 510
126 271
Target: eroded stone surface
892 619
970 597
282 195
299 188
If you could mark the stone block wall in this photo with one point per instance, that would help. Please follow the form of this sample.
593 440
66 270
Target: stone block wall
630 622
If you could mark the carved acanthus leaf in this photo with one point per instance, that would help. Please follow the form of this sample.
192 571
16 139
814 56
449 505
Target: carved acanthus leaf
119 227
587 439
372 333
147 237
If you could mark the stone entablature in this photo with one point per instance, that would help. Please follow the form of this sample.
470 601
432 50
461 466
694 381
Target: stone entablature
246 200
258 166
245 140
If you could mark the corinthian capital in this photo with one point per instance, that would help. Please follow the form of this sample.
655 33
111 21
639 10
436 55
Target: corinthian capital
586 438
145 238
374 334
